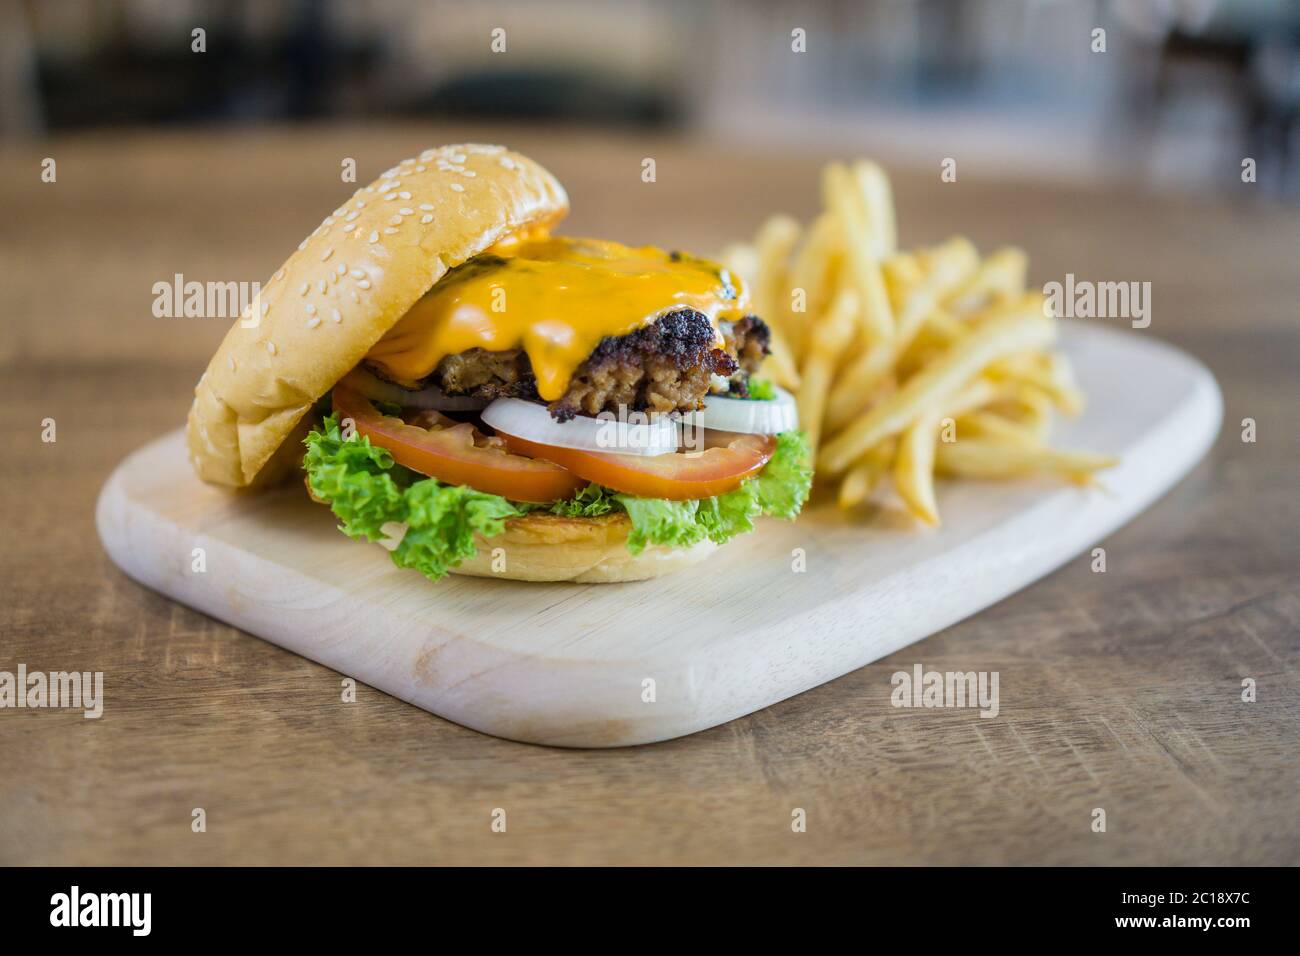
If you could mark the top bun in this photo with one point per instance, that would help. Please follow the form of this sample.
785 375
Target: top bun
348 284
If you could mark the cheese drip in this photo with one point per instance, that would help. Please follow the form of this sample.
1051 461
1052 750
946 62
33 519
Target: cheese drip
555 298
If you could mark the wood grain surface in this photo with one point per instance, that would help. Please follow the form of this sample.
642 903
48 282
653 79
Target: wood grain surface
1119 690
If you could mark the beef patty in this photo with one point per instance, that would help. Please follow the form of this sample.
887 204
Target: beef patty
665 367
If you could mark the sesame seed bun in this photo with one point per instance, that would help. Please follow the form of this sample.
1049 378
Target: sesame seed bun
547 547
346 285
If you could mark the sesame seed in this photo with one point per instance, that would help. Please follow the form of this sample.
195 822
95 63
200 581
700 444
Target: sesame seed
230 360
468 172
320 286
426 218
355 297
390 197
313 322
361 204
419 169
357 274
506 162
266 307
426 206
404 194
311 309
457 187
327 221
341 268
326 254
335 315
374 237
427 155
302 289
405 211
279 273
389 230
364 283
270 347
395 221
370 189
352 215
302 245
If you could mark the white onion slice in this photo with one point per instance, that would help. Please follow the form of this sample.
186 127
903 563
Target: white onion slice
640 434
752 416
377 390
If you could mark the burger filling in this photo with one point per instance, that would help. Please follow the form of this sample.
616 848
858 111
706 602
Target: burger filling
569 376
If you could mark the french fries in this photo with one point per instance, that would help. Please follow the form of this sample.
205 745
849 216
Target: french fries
908 363
934 383
832 337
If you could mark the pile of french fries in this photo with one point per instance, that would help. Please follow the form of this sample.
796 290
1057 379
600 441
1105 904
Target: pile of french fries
907 363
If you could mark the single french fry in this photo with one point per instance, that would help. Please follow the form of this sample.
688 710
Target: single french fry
842 197
860 480
829 339
1012 332
988 458
776 239
914 466
878 199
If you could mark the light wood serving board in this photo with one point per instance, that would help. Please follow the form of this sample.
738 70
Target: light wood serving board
565 664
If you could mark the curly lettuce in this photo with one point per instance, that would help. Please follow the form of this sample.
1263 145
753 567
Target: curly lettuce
779 490
369 493
761 389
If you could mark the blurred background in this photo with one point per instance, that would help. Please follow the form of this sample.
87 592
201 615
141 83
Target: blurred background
1184 90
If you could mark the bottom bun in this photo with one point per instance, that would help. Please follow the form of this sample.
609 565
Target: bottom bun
547 547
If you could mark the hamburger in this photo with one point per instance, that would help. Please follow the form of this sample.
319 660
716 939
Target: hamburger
484 397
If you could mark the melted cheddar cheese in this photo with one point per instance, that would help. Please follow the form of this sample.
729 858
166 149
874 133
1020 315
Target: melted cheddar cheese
555 298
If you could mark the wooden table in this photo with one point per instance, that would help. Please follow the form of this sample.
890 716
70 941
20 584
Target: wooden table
1119 690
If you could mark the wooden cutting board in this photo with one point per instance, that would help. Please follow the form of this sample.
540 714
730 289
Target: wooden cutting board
570 665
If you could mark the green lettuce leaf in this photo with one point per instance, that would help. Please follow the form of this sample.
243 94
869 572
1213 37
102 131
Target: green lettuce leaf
588 503
367 490
779 490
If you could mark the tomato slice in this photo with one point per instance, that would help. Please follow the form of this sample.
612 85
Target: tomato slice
457 453
678 476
